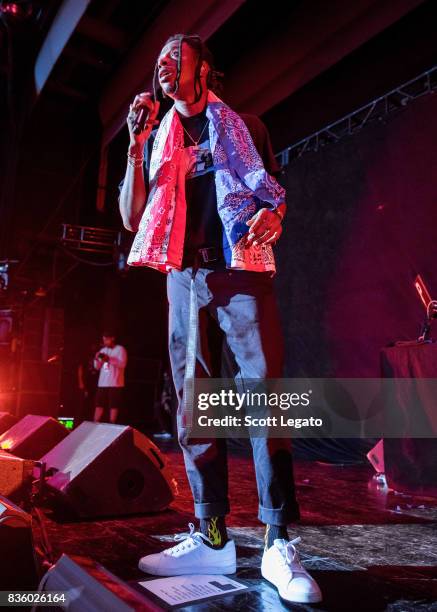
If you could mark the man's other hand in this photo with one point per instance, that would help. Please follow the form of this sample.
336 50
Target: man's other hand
265 228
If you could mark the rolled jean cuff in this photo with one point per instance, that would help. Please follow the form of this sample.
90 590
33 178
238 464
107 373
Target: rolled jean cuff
278 516
209 509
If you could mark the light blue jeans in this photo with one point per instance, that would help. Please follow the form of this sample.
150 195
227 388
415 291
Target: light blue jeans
243 305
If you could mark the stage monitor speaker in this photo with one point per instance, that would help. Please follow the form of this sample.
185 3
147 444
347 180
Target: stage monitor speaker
19 566
109 470
411 465
16 476
6 421
33 436
89 586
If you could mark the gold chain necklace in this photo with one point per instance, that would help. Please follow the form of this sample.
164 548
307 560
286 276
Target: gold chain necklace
196 143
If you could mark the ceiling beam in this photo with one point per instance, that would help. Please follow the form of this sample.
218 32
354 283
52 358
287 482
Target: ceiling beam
86 57
320 35
136 72
106 10
102 32
62 28
66 90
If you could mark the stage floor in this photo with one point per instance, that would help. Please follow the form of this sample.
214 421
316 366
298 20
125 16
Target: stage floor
369 550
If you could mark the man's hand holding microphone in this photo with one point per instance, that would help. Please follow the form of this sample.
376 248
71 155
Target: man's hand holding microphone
141 121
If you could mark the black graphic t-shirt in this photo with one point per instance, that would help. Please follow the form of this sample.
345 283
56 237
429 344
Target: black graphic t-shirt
203 224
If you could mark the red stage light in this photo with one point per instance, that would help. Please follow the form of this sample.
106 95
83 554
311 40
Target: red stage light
13 9
16 10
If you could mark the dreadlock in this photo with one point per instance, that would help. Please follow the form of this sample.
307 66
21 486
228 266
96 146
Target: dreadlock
203 55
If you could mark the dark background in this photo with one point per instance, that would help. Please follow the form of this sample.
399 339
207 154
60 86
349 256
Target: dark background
360 226
361 219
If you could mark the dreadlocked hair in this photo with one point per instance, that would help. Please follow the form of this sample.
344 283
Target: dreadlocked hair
213 80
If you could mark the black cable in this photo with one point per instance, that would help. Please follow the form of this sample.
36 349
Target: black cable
46 545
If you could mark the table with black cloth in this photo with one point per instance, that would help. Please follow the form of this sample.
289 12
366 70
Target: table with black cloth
411 463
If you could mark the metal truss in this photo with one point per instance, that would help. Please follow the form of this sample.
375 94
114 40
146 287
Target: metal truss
376 110
90 239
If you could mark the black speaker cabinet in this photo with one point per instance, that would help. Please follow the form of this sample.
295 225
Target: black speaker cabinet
19 565
33 436
108 470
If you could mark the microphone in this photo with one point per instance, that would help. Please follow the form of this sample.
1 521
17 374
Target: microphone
139 123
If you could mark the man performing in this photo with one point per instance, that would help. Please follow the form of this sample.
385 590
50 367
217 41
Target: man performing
111 362
208 216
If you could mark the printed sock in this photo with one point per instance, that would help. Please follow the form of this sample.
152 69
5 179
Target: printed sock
274 532
215 529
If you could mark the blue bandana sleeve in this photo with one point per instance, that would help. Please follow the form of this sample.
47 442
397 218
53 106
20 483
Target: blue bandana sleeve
243 156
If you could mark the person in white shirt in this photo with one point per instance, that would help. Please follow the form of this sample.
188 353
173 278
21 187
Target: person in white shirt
111 362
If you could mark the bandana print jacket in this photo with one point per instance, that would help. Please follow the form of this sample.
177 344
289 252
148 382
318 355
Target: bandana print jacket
242 186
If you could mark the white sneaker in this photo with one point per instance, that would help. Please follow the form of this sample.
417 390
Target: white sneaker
282 567
191 556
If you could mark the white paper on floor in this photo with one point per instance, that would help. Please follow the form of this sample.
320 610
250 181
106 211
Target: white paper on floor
186 589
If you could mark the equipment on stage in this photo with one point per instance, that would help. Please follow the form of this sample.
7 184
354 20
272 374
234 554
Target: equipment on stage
19 567
89 586
107 470
33 436
411 462
4 272
430 307
411 465
408 464
16 476
376 457
6 421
